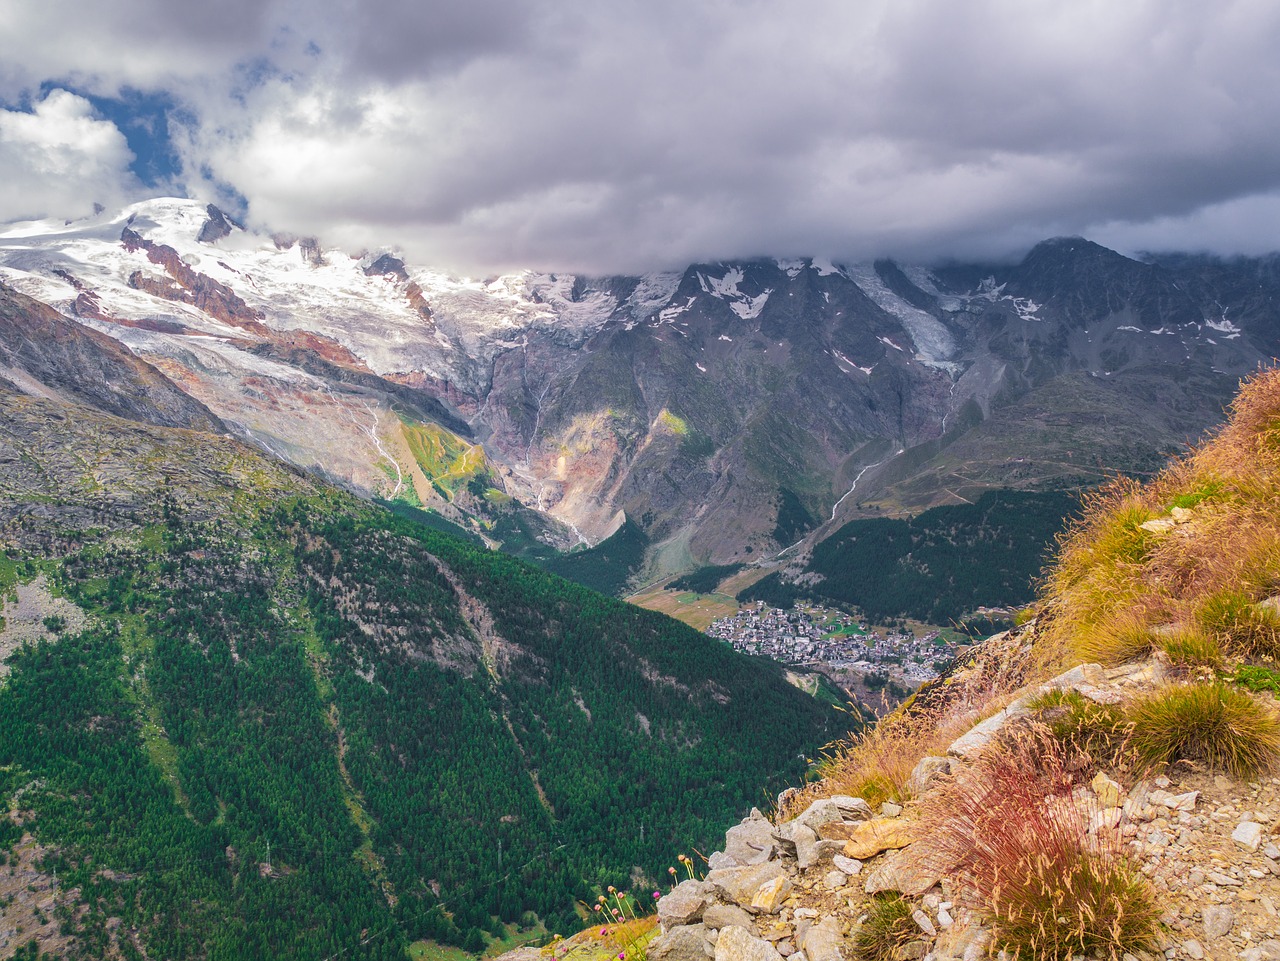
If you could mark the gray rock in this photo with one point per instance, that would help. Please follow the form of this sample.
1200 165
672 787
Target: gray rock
824 942
809 855
926 773
1193 949
719 861
793 837
684 905
739 885
1270 949
969 746
718 916
890 810
684 943
924 922
1218 919
900 872
849 866
750 842
834 880
838 808
738 944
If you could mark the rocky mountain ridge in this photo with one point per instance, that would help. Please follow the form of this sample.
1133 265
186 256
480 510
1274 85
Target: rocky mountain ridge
731 410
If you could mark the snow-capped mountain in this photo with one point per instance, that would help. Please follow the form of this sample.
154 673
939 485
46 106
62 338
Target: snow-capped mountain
729 408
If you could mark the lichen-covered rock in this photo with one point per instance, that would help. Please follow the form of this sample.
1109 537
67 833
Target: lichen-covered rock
770 895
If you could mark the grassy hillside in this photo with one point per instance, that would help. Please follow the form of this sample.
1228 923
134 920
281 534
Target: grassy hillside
294 724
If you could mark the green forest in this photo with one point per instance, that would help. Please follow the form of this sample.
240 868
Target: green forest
311 728
938 566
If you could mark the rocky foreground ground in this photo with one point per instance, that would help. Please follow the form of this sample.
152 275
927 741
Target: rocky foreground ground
800 889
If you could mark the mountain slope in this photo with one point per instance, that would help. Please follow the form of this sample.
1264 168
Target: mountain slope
244 714
730 409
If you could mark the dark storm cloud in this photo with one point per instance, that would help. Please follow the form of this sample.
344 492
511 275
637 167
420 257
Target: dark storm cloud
618 134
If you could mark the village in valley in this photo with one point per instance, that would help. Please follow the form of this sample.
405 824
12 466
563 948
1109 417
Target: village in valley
819 636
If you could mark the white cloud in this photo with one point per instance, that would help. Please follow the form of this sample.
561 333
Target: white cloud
632 133
58 160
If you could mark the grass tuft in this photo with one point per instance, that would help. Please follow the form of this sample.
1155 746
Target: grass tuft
1080 726
1191 648
888 927
1239 625
1214 724
1013 833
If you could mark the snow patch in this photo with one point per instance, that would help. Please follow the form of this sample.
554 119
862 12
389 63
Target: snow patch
792 268
933 341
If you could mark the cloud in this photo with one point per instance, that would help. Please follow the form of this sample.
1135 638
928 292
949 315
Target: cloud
619 134
58 159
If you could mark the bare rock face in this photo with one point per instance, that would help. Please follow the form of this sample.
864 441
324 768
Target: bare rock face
44 354
683 943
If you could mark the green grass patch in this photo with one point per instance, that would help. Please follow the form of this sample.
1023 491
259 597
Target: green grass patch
1257 678
1224 728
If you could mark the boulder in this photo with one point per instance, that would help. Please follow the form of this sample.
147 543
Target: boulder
739 885
684 905
902 873
738 944
969 746
838 808
882 834
792 836
683 943
823 941
718 916
750 842
821 852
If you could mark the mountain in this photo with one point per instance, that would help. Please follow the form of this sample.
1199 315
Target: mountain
245 714
729 410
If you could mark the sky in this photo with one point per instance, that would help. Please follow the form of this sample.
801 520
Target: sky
625 135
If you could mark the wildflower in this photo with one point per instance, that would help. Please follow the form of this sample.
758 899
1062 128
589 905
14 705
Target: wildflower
612 889
656 895
671 870
597 907
603 932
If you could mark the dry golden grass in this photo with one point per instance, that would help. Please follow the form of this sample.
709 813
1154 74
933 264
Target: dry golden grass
1117 586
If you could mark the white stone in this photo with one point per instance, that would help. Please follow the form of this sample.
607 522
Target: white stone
850 866
924 923
1218 919
1248 834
